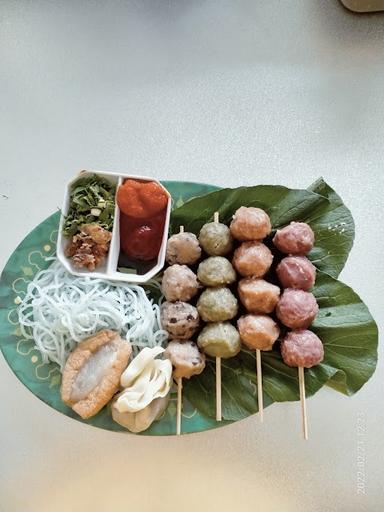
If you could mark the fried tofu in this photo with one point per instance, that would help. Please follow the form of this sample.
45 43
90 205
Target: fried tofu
92 372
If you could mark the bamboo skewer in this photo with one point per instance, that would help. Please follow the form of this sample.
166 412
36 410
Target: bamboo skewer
259 377
218 389
303 403
218 364
179 381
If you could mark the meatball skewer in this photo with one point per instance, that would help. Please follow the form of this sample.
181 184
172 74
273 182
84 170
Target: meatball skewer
178 317
297 307
216 305
218 362
179 381
252 260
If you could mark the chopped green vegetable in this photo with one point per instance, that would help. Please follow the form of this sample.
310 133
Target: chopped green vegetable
92 200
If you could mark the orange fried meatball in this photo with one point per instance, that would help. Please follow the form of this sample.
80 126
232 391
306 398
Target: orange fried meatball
250 223
257 295
252 259
258 331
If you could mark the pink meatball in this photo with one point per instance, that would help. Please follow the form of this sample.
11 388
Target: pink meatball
257 295
296 272
258 331
296 238
252 259
296 308
302 348
179 283
250 224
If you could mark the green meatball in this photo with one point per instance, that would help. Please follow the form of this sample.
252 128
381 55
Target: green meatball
216 239
217 305
216 271
219 339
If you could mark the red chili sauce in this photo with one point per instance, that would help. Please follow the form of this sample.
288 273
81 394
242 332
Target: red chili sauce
143 206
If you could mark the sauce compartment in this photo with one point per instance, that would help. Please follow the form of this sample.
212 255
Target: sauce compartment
117 266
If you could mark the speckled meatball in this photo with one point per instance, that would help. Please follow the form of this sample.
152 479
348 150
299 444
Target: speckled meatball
217 305
183 248
252 259
296 308
250 224
258 331
220 339
215 238
302 348
180 319
296 238
257 295
179 283
185 357
296 272
216 271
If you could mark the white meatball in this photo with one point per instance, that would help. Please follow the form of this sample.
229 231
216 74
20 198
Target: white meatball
180 319
179 283
183 248
186 358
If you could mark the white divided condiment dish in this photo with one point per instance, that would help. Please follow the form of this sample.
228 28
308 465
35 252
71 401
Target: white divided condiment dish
109 270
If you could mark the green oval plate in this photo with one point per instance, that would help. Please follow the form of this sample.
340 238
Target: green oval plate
25 361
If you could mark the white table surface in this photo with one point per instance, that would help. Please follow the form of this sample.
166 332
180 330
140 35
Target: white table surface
229 92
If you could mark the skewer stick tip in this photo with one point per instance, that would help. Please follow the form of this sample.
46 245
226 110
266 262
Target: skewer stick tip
259 377
179 404
181 229
218 389
304 421
216 217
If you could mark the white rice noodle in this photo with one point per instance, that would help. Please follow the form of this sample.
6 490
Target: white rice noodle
60 309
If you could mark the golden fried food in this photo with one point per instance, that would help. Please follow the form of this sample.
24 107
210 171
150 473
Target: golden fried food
250 223
258 331
92 372
258 295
